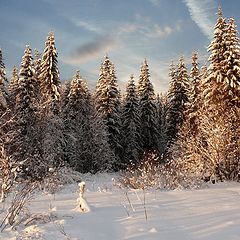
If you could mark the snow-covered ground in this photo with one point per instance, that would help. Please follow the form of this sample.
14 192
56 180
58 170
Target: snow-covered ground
209 213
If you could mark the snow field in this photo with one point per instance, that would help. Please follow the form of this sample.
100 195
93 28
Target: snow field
212 213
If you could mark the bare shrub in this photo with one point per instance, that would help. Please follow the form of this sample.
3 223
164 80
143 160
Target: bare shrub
18 211
8 174
142 176
150 174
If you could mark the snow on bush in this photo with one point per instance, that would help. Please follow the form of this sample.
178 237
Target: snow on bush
150 174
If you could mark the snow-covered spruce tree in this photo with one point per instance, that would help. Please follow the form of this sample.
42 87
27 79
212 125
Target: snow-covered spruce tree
3 82
86 147
51 123
162 109
65 95
215 80
147 110
232 65
25 91
37 62
107 102
76 110
102 155
49 73
188 163
37 70
185 149
220 122
12 88
194 96
22 139
178 97
131 141
104 76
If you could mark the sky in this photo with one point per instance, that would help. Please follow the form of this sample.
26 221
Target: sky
127 30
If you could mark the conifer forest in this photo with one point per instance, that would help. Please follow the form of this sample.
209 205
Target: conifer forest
187 135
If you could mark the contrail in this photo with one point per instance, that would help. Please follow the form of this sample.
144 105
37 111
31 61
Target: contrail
203 14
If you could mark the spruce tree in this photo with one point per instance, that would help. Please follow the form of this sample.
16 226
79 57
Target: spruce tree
86 148
223 80
101 87
232 65
107 102
194 96
220 122
65 94
51 124
24 145
12 88
162 109
26 93
131 125
37 70
49 73
147 110
213 95
178 97
37 63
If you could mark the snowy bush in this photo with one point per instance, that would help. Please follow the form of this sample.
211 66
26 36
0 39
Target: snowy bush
172 174
142 176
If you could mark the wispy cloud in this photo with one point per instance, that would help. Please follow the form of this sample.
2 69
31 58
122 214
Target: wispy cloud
202 13
89 51
155 2
155 31
159 31
85 25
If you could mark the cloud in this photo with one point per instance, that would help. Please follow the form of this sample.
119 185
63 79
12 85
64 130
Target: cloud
128 28
202 13
159 31
89 51
85 25
155 2
149 30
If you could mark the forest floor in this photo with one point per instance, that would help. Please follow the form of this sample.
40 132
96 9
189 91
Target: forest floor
212 213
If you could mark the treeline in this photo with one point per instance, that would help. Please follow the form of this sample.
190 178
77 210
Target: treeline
46 124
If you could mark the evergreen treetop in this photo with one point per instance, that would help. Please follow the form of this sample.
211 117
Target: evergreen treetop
49 75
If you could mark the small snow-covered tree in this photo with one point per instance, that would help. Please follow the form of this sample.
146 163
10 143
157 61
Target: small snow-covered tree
147 110
131 124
